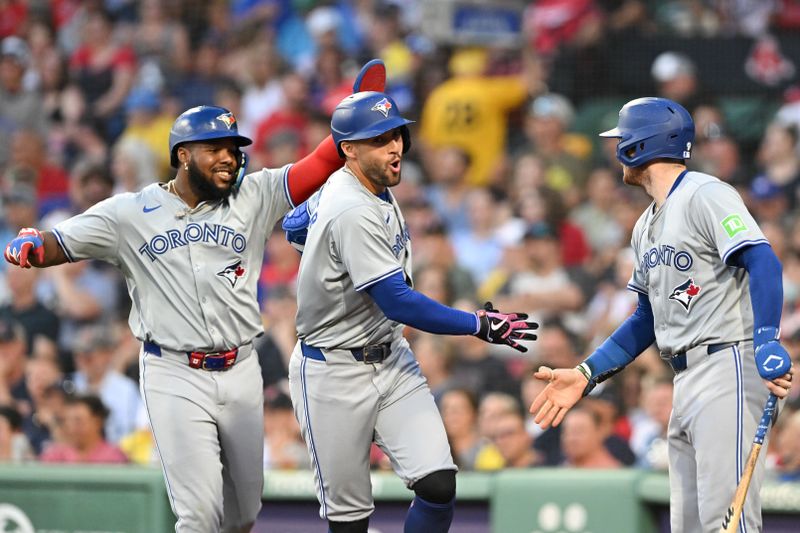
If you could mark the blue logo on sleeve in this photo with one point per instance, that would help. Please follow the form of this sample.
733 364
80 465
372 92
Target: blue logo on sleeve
146 209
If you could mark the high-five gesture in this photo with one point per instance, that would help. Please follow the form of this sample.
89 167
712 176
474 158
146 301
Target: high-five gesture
564 390
505 328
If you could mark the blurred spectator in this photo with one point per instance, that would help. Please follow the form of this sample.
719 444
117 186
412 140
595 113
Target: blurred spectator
84 418
470 111
543 288
686 18
275 347
778 156
582 440
148 124
596 217
435 357
513 442
476 369
47 391
134 165
676 78
14 445
459 409
283 445
768 201
491 407
288 122
447 192
20 107
433 249
104 70
26 308
649 436
204 78
555 24
788 448
720 155
94 351
263 94
13 358
564 155
20 206
49 179
161 44
478 248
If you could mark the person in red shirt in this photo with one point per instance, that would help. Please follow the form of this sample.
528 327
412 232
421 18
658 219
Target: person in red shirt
84 442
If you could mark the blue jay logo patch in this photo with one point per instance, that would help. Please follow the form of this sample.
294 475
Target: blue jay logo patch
232 272
228 119
383 107
685 293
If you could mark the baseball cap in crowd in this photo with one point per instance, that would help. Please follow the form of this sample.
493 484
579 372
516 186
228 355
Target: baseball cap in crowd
10 329
21 193
763 188
17 49
95 337
669 65
540 230
552 105
142 100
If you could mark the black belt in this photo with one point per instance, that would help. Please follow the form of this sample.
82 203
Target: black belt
679 363
372 353
212 361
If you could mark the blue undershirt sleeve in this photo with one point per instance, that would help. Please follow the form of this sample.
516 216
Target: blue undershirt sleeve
630 339
401 303
766 283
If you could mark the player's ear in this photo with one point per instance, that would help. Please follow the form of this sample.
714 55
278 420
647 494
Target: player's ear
183 155
349 149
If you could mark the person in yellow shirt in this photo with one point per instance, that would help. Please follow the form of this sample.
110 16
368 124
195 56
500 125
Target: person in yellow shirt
470 111
146 123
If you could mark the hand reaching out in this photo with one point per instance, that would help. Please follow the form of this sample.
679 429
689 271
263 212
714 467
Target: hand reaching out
564 390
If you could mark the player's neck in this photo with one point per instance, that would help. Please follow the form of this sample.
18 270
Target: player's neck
180 188
356 171
661 178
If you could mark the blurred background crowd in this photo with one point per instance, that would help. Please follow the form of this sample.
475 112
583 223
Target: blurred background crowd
508 193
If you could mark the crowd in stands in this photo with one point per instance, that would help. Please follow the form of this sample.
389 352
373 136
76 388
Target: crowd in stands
507 191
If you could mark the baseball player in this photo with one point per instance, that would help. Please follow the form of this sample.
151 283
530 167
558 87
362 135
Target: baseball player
352 376
710 296
191 252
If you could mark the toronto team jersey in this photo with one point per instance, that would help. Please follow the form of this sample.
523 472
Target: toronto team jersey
682 250
355 240
191 273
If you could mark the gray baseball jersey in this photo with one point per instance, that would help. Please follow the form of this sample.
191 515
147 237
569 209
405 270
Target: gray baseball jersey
355 240
681 253
192 275
698 301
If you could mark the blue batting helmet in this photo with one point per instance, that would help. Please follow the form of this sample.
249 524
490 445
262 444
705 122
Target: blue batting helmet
652 128
202 123
365 115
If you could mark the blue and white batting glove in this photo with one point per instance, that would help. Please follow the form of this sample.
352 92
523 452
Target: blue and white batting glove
504 328
18 250
772 359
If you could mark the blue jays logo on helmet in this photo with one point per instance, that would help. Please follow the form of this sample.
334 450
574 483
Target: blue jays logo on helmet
383 106
228 119
685 293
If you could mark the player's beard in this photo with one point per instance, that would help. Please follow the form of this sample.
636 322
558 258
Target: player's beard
204 187
636 176
380 173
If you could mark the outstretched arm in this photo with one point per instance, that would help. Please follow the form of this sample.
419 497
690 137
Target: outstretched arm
308 174
33 248
401 303
568 385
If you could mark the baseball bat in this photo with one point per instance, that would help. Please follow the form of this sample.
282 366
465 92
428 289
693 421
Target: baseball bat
731 520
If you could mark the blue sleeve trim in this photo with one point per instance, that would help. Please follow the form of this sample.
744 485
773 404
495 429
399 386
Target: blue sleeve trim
741 245
630 339
380 278
401 303
766 284
63 246
635 288
286 190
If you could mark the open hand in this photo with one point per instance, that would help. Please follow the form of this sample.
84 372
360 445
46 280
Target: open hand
564 390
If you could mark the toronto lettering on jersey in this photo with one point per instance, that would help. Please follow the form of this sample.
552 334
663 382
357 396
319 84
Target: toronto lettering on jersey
665 255
174 238
400 241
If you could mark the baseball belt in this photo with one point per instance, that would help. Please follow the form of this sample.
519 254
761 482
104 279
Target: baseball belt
683 360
